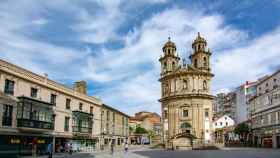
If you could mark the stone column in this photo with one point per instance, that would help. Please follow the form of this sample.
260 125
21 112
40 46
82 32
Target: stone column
53 144
274 141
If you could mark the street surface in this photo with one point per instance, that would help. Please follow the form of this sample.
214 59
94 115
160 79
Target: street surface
148 153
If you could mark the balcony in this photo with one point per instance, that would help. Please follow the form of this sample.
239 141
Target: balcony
82 123
34 114
35 124
82 129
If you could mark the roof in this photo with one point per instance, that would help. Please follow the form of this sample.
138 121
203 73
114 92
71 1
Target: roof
169 43
199 39
113 109
266 77
44 81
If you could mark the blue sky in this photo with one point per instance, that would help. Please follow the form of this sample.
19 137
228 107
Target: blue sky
115 44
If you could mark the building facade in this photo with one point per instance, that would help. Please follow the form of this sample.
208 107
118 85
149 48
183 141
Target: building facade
35 111
151 122
265 112
114 127
186 98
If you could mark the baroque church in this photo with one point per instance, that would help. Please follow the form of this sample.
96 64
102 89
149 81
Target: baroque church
186 99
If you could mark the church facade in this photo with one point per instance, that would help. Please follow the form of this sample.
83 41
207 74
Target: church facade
186 99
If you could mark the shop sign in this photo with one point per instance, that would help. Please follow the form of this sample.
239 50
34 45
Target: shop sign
41 141
15 141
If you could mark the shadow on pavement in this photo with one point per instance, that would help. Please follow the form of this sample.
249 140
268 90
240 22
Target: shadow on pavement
209 153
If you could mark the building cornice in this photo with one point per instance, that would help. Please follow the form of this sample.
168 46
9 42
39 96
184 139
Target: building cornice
179 73
183 96
45 82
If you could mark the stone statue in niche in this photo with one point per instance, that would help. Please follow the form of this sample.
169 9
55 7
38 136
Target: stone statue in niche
204 85
185 84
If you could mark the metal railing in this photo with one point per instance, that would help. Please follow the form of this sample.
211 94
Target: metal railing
35 124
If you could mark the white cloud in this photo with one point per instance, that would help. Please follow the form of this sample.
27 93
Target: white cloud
235 66
40 21
143 45
129 75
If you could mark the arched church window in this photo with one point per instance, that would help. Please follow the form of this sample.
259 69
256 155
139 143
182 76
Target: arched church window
164 65
199 47
204 61
204 85
168 51
195 63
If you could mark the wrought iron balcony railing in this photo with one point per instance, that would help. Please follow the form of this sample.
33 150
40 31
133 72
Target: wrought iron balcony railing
34 124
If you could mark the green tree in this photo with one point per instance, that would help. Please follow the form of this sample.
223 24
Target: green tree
242 130
140 130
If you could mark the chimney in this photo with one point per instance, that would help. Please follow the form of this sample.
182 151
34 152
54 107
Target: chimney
81 87
45 77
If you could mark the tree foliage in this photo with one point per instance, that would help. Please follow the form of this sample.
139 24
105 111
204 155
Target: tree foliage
140 130
241 129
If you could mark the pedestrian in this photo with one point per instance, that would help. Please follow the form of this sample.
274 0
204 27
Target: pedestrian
66 149
71 149
126 147
50 150
112 148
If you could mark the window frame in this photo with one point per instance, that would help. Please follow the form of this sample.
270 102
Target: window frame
53 98
7 117
9 87
68 103
32 92
185 111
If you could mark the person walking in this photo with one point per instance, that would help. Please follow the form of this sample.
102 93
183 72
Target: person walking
70 149
126 147
50 150
112 148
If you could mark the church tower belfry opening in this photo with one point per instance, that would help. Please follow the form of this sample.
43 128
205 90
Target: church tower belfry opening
186 99
170 60
200 57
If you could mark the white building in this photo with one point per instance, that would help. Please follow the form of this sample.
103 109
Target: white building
222 122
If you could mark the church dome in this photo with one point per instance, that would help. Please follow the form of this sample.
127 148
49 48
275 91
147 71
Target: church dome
169 44
199 39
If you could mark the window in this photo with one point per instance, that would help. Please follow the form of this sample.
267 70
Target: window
66 123
226 123
225 118
81 106
185 84
216 124
68 102
266 84
91 109
274 79
221 123
195 63
165 65
34 92
9 87
173 65
168 51
206 114
7 115
204 62
185 113
53 99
